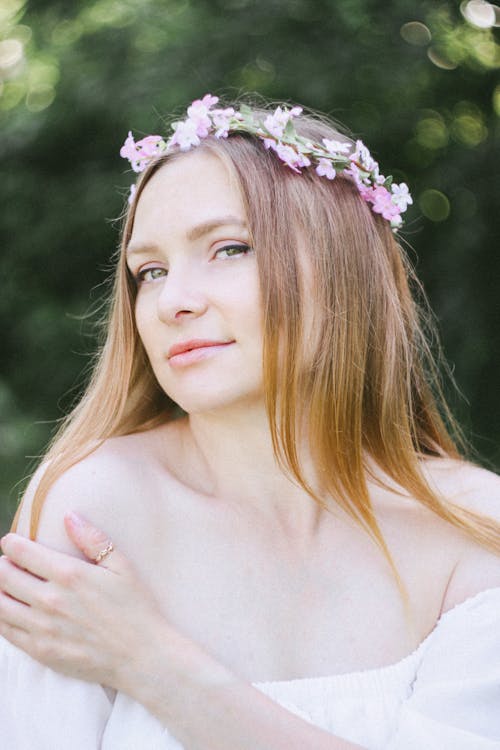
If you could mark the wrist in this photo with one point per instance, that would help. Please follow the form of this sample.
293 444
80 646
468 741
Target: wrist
169 671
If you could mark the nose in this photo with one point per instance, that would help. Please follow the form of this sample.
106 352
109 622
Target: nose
182 296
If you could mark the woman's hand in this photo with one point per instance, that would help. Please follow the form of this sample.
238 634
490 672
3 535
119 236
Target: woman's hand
86 620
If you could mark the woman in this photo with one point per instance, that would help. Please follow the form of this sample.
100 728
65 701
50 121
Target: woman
300 555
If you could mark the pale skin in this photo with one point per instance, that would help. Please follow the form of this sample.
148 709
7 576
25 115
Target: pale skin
219 552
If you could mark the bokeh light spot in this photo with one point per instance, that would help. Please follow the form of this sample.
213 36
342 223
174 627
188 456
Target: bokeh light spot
11 53
415 32
253 77
469 130
488 53
439 60
67 32
21 32
9 9
434 205
12 93
479 13
266 66
40 98
43 72
108 13
468 126
431 131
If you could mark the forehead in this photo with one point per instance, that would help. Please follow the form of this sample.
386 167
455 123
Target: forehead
192 188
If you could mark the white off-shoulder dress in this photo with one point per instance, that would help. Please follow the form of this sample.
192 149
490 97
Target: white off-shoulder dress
443 696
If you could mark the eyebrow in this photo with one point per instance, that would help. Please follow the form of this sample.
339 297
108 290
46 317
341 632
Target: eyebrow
195 233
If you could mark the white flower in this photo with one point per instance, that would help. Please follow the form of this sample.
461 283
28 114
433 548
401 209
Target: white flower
401 196
336 148
367 162
325 169
185 135
221 119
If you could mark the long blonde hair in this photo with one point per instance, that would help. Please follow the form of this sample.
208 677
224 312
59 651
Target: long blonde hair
371 386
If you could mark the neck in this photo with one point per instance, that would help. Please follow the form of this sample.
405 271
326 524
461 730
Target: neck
232 453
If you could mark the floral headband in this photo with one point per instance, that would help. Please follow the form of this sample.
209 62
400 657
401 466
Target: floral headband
277 131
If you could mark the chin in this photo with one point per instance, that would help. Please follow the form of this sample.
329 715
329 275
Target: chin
208 400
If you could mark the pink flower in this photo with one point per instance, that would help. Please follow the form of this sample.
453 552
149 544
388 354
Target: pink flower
303 160
291 157
382 202
209 101
336 148
198 114
150 146
325 169
401 196
276 123
141 153
128 150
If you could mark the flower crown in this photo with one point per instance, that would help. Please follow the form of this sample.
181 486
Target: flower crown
277 131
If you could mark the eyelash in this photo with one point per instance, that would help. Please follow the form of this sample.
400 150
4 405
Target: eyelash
243 250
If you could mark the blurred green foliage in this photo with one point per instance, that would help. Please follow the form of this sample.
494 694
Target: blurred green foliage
416 80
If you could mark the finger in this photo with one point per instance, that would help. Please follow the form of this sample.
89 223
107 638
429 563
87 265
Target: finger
14 613
93 542
42 561
17 636
28 642
19 583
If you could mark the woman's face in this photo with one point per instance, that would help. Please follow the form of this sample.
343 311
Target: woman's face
198 308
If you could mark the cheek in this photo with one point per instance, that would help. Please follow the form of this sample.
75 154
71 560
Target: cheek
246 304
144 321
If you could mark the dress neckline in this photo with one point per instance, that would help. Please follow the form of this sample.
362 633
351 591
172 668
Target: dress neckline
398 665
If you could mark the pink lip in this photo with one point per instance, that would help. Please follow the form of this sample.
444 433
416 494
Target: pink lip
194 350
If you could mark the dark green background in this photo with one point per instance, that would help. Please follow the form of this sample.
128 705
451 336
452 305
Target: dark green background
416 80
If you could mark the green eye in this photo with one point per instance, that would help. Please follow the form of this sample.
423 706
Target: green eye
150 274
230 251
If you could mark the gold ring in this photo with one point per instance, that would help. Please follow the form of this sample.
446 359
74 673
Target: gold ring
102 554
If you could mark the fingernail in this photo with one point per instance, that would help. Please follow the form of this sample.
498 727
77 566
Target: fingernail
75 519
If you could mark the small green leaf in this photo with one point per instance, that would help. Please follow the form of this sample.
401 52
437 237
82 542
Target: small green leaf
289 131
247 113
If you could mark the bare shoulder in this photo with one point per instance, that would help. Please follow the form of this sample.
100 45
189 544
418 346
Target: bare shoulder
478 490
104 487
467 484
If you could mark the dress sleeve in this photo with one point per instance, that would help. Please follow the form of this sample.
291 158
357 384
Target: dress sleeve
42 709
455 700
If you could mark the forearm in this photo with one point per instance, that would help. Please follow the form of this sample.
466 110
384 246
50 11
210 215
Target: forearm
240 717
207 707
